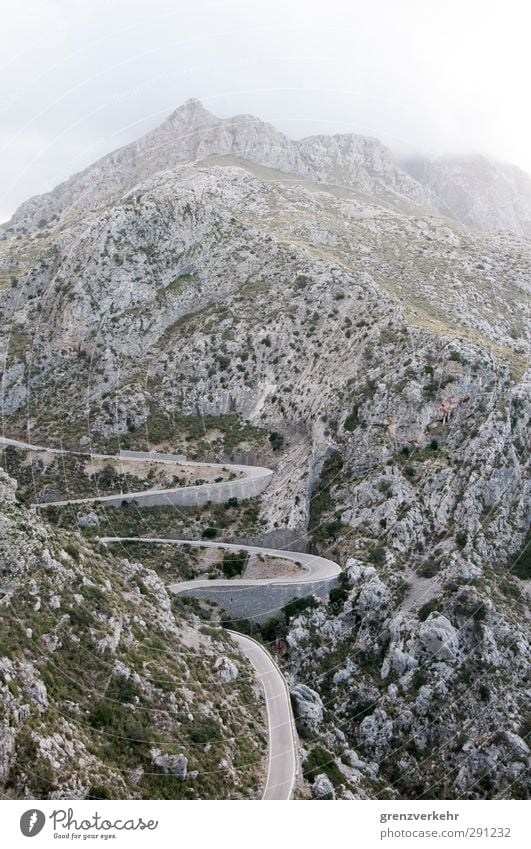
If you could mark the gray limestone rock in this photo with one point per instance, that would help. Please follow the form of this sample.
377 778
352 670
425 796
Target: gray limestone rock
226 670
88 520
308 706
439 637
173 764
322 787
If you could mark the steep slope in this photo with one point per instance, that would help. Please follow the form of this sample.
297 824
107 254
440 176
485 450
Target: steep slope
473 190
191 133
107 688
478 191
109 299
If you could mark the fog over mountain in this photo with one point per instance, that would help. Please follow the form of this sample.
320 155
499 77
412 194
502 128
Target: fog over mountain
81 80
472 190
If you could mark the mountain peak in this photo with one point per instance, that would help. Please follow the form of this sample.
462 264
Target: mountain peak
472 190
191 109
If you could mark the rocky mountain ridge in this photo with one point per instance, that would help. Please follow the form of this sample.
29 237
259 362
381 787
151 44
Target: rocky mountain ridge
475 191
192 133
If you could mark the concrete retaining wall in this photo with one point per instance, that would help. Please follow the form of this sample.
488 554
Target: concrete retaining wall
284 538
259 603
183 496
195 496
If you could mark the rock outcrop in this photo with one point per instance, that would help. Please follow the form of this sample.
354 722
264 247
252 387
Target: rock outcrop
322 788
478 191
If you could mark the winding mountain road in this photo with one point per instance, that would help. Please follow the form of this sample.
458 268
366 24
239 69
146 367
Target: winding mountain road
283 745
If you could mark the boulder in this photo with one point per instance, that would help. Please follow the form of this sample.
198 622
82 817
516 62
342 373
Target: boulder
308 706
322 788
226 669
170 764
439 637
87 520
8 487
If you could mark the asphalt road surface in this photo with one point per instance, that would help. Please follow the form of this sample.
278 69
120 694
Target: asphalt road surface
283 748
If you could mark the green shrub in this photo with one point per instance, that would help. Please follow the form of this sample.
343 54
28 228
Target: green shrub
298 605
480 613
98 791
210 533
430 607
320 760
123 690
376 554
430 390
338 596
233 563
461 539
206 731
223 362
72 550
484 693
521 565
352 421
330 530
80 617
419 678
276 440
429 569
275 628
456 357
101 715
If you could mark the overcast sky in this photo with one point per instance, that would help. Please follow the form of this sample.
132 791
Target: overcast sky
82 77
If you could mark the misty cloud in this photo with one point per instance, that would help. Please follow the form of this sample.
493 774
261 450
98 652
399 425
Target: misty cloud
81 79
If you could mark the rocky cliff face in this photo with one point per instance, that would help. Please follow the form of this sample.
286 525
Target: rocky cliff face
374 352
117 291
420 659
478 192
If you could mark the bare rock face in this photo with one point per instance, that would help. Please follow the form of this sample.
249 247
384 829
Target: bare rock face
440 638
8 487
87 519
176 765
308 706
226 670
322 788
478 192
473 190
193 133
